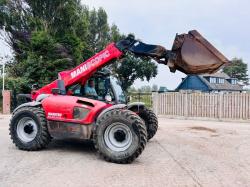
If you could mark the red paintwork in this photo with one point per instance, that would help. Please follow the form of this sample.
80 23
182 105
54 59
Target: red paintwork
44 90
61 108
84 71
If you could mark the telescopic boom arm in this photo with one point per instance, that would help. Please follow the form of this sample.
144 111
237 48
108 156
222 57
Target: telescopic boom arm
85 70
190 54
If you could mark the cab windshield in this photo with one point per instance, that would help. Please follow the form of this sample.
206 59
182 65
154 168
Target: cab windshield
118 90
102 87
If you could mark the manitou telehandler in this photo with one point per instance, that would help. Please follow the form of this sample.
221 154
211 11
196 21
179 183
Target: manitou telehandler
119 130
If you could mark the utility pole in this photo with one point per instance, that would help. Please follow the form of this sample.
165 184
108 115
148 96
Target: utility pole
5 93
2 62
3 74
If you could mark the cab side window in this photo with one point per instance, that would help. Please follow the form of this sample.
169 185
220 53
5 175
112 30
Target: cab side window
75 90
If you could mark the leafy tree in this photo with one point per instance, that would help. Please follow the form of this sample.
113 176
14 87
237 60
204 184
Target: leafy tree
237 69
115 34
131 68
154 88
128 69
99 34
51 36
145 89
132 89
16 85
46 36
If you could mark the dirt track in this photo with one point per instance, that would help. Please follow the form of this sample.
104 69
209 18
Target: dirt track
183 153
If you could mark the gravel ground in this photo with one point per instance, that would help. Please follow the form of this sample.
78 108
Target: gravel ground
183 153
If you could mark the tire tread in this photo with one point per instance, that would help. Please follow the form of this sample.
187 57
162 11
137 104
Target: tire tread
135 119
151 121
39 142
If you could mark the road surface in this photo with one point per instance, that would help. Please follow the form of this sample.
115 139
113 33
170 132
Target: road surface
183 153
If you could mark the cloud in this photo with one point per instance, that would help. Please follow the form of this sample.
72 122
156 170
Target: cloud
222 22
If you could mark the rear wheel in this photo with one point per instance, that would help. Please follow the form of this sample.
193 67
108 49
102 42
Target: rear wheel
28 129
150 120
120 136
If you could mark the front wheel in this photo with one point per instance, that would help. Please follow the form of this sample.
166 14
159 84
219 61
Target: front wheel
28 129
120 136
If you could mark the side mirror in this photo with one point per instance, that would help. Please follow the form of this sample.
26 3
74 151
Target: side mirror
55 91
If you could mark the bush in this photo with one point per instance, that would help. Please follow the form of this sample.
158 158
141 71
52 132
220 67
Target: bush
17 86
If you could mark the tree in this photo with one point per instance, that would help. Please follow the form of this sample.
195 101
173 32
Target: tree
129 69
51 36
132 89
154 88
45 36
99 30
237 69
145 89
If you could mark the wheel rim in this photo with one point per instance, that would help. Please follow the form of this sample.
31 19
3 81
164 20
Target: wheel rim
26 129
118 137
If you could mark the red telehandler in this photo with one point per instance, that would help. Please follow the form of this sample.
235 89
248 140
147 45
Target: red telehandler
119 130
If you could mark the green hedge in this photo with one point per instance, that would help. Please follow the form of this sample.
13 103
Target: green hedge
17 86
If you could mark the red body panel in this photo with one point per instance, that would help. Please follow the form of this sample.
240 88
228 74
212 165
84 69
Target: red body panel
44 90
84 71
60 108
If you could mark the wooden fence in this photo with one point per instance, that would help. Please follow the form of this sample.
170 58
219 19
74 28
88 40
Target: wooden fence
210 105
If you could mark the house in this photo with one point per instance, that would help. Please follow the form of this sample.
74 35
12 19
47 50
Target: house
162 89
217 82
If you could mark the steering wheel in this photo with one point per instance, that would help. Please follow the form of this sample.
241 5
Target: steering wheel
91 96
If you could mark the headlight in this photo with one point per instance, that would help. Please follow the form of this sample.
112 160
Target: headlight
80 113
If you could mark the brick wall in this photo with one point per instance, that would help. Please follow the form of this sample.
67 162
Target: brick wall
6 101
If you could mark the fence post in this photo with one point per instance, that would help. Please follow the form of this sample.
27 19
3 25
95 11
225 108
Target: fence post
220 105
186 105
155 99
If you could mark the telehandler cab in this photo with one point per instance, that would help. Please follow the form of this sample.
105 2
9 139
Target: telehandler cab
119 130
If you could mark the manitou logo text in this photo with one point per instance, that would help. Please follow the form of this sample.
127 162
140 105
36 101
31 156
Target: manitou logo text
90 63
56 115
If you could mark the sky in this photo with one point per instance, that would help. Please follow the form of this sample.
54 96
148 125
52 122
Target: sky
225 23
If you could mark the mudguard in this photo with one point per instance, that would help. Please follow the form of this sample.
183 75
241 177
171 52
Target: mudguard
118 106
31 104
136 106
42 97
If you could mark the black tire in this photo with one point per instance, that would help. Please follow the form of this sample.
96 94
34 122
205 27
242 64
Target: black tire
135 128
41 137
150 120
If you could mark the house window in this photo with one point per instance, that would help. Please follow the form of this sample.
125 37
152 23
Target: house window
220 81
212 80
233 81
216 80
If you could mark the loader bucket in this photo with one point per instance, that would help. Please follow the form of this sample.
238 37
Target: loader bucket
195 55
